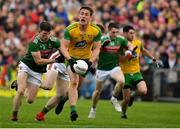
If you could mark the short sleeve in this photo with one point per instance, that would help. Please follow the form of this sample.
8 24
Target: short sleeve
98 37
104 38
33 47
124 41
56 42
67 35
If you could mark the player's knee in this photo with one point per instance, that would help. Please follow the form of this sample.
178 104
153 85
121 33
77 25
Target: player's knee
143 91
127 99
121 82
74 83
58 96
20 92
97 92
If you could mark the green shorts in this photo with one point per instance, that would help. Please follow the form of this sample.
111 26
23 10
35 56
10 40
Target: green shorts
132 79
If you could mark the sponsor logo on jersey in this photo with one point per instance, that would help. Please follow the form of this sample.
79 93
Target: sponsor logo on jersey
113 49
45 53
81 44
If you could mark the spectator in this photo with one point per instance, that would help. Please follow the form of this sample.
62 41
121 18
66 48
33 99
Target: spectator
172 59
157 20
6 61
62 14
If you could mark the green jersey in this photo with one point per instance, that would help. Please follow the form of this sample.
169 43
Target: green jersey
45 48
109 54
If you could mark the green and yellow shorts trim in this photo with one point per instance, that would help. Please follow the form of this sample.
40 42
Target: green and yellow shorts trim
132 79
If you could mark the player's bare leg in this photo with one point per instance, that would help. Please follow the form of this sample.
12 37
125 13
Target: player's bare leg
73 93
96 93
32 91
51 76
119 77
81 79
21 81
141 90
40 116
61 91
95 98
125 102
128 97
62 94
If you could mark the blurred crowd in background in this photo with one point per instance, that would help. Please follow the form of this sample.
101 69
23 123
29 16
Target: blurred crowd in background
157 23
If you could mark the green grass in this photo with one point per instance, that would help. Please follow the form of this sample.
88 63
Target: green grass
140 115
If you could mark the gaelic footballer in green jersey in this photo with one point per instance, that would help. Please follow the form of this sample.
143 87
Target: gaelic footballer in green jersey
108 66
45 49
33 65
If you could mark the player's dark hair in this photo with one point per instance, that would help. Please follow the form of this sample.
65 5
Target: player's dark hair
113 25
101 27
87 8
45 25
127 28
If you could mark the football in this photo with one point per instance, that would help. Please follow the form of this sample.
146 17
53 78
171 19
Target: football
81 67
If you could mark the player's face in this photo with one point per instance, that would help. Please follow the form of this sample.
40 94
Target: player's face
130 35
44 35
113 32
84 17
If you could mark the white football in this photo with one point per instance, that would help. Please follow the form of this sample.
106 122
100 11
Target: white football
81 67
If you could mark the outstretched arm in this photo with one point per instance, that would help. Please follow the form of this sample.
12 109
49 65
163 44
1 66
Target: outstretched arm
64 48
95 51
147 53
41 61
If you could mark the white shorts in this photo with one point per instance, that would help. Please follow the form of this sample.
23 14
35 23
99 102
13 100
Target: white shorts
33 77
60 67
62 70
102 75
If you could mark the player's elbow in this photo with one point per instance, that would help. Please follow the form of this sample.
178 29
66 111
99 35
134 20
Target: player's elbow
38 62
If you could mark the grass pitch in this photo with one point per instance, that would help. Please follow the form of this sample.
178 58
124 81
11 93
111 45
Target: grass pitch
140 115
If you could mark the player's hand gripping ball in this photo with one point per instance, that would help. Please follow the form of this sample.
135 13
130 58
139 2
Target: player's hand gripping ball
81 67
128 54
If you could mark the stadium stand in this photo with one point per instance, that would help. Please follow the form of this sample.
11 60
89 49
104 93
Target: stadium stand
157 22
